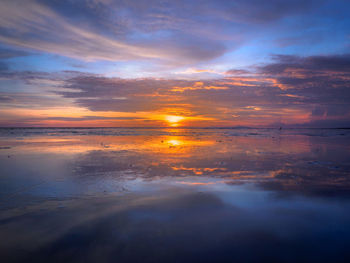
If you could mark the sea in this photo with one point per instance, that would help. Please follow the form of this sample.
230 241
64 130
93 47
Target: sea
174 195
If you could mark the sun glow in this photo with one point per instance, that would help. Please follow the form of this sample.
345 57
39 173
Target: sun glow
174 120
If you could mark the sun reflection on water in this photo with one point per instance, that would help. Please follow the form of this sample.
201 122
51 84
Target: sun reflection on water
174 142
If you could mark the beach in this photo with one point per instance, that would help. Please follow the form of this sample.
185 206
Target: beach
174 195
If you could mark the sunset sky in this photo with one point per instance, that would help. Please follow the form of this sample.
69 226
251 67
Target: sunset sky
175 63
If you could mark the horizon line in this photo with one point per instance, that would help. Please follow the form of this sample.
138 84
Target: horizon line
148 127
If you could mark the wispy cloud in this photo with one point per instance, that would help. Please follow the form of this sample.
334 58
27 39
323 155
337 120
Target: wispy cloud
166 32
36 26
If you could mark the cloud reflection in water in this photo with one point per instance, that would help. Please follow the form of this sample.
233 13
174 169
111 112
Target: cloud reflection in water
175 195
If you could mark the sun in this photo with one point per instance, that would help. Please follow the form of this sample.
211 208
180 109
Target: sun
173 120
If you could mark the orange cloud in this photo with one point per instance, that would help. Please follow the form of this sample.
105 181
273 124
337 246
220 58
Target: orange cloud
198 86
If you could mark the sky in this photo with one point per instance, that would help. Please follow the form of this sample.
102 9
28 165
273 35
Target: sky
185 63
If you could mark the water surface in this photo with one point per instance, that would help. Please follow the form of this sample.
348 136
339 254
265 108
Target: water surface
174 195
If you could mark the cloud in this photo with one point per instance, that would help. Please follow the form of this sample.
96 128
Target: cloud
237 72
3 67
88 118
11 53
173 33
87 35
4 98
291 91
322 82
198 86
318 79
313 64
256 11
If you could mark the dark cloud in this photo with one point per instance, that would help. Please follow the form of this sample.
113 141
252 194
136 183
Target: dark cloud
5 99
256 11
98 86
3 67
318 79
89 118
11 53
237 72
115 94
321 81
31 100
314 64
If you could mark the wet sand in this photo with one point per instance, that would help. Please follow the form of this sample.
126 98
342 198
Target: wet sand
174 195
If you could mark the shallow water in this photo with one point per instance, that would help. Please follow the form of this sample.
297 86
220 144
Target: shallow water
175 195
